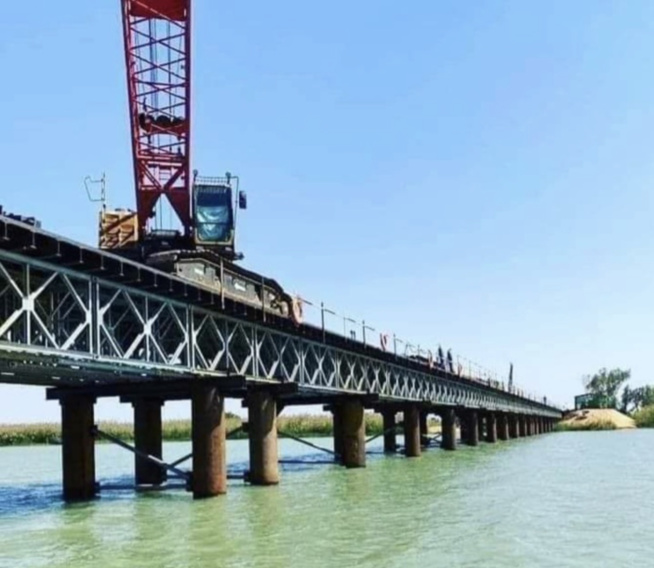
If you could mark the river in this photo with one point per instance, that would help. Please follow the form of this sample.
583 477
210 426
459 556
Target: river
562 499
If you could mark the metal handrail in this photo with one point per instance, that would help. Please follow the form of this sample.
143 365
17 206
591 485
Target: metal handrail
461 366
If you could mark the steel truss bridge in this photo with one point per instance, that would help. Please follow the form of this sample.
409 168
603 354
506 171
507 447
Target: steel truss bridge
72 315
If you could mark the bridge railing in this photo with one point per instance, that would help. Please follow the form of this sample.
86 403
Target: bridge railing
360 331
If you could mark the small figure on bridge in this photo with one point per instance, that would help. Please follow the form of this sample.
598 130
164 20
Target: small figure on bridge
450 365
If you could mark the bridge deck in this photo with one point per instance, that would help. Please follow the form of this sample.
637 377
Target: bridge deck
74 315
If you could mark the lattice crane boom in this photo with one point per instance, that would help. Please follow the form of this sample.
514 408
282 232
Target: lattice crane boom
157 36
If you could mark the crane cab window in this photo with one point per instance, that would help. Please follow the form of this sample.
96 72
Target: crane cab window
214 218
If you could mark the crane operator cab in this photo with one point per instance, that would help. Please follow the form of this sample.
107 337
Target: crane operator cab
214 212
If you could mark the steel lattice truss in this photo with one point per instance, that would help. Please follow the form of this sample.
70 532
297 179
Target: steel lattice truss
158 62
58 326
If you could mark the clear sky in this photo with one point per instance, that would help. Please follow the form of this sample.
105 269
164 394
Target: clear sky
472 173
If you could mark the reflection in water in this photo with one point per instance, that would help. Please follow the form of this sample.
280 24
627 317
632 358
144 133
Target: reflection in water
563 499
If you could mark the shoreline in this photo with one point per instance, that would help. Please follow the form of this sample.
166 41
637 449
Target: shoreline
300 425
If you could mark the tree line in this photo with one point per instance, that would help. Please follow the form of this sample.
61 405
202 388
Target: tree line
608 389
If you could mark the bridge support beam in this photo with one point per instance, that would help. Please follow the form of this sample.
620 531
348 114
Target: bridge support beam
148 439
481 420
262 434
448 429
502 426
412 431
522 432
514 426
354 434
390 439
471 431
491 427
209 443
78 447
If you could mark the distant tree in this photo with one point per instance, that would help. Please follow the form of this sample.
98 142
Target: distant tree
605 385
635 399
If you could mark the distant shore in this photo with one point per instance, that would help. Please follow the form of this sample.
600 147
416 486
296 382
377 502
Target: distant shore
606 419
302 425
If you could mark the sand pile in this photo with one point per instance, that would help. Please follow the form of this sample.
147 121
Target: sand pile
589 417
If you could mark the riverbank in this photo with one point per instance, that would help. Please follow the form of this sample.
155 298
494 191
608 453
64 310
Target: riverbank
302 425
595 419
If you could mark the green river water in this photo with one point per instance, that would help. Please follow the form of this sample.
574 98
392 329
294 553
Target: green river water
562 499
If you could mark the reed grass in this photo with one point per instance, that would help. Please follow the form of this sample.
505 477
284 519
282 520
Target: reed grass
300 425
644 417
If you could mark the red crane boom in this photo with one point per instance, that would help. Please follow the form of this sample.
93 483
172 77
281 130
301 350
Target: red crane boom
157 37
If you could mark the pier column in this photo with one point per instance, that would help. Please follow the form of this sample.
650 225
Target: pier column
148 439
522 431
262 434
78 447
424 434
491 428
471 428
481 423
390 442
209 443
448 429
354 434
514 426
412 431
502 426
337 429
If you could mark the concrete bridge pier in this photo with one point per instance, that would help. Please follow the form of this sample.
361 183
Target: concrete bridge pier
209 441
148 439
471 430
448 429
262 434
503 426
481 419
491 428
78 447
412 431
512 420
353 434
524 431
390 441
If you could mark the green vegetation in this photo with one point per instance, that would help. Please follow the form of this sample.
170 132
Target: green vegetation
604 386
301 425
603 391
636 399
644 417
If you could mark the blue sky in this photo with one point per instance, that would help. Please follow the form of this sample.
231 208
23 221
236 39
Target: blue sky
475 174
